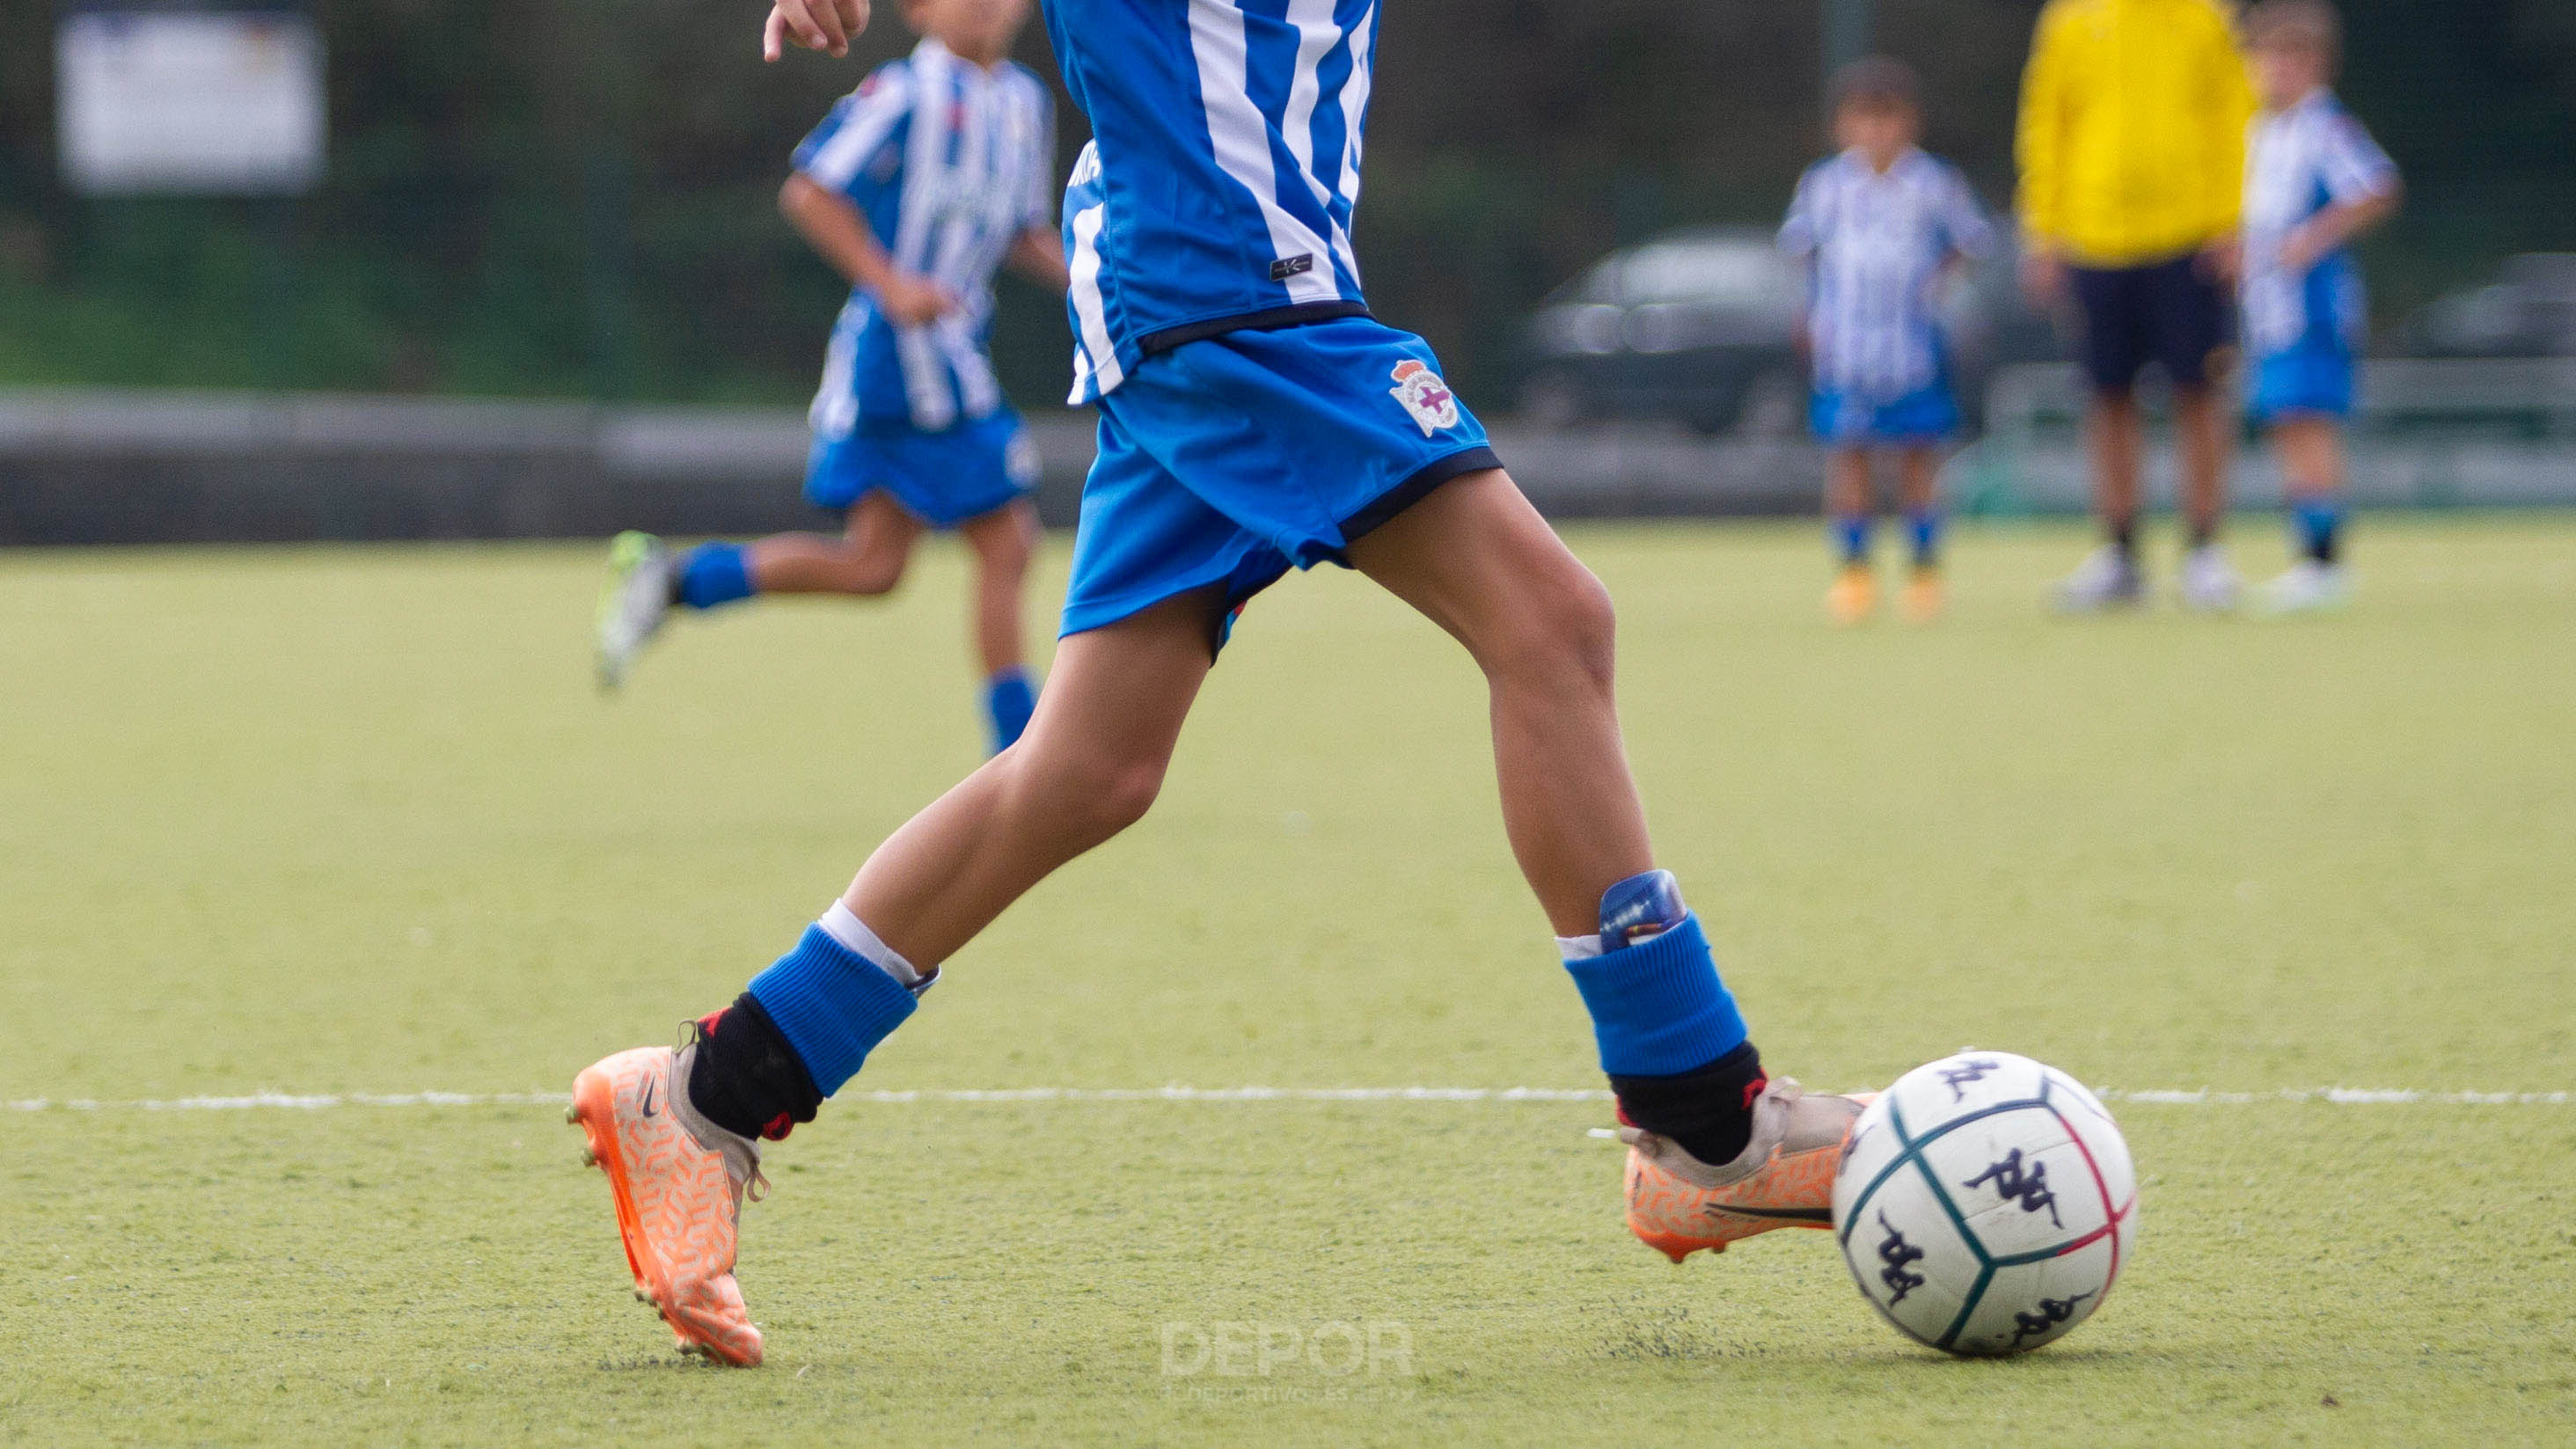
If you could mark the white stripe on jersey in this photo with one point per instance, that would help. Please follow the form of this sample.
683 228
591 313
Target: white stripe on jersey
1239 138
934 87
1355 99
1095 357
874 113
835 413
1317 36
977 387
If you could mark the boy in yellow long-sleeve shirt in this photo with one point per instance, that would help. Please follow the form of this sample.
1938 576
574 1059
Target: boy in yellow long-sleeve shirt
2132 150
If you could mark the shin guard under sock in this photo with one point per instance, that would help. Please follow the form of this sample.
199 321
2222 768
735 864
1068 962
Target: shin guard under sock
747 1079
1709 1110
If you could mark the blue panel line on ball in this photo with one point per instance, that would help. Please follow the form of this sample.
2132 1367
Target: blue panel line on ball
1914 1146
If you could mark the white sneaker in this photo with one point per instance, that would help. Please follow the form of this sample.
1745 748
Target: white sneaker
633 603
2107 579
2209 582
2307 586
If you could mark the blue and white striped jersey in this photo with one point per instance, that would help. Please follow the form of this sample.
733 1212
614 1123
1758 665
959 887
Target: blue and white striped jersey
951 163
1224 166
2299 162
1875 245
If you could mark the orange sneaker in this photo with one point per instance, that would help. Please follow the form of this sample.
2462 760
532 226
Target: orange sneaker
676 1199
1854 595
1924 598
1784 1178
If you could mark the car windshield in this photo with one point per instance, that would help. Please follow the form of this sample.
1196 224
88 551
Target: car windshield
1726 274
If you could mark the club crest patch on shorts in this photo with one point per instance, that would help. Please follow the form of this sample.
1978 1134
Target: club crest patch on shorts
1425 396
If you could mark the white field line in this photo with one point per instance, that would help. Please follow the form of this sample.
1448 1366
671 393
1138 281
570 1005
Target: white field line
2197 1097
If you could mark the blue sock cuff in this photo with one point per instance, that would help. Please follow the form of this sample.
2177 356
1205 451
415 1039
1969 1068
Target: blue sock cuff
1851 535
832 1004
715 573
1924 528
1658 1008
1009 701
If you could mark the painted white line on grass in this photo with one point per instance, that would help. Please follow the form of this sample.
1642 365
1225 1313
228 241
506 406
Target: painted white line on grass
2162 1097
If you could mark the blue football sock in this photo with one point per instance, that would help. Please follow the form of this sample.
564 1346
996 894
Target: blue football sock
2320 525
1923 530
1658 1007
832 1004
1009 700
1851 535
715 573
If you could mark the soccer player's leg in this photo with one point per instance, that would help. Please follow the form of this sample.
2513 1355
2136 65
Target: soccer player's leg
1718 1151
647 581
2304 396
1919 488
2195 331
2111 306
678 1131
1003 541
1853 595
866 559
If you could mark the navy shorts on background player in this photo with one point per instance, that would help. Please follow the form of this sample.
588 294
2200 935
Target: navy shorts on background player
2167 313
942 478
1235 458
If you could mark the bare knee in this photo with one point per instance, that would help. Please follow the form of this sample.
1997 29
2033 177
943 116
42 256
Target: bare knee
870 568
1005 542
1095 794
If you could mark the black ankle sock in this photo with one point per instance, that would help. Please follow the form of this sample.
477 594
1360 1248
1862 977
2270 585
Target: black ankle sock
2203 534
2123 533
747 1078
1708 1111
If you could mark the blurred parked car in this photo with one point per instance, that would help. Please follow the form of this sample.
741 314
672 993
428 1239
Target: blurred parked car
2528 311
1701 327
1698 325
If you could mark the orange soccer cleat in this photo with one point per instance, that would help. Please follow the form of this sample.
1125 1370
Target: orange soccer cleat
1925 596
676 1198
1854 595
1784 1178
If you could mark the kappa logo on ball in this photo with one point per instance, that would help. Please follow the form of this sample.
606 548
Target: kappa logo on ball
1425 396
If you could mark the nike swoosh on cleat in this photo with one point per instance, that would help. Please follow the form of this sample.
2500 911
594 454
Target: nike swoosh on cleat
648 1097
1794 1215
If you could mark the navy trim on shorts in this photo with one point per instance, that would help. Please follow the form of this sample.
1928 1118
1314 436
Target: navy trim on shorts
1418 487
1267 321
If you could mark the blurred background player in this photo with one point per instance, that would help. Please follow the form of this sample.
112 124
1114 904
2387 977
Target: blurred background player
1882 227
2132 152
2314 181
917 187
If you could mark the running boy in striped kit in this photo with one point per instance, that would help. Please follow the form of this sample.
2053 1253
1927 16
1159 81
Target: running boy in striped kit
1882 227
934 173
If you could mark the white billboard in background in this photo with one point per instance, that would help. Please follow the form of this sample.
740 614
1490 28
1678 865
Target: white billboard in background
195 101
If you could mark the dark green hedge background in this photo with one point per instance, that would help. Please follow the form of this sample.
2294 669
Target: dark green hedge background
574 197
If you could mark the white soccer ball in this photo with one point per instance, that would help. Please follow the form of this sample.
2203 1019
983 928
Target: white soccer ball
1986 1204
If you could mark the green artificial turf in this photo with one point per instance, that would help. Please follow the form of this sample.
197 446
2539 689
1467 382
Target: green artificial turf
351 821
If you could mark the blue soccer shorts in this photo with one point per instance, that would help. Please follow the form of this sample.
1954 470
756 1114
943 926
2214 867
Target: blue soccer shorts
1235 458
1920 418
2313 379
942 478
